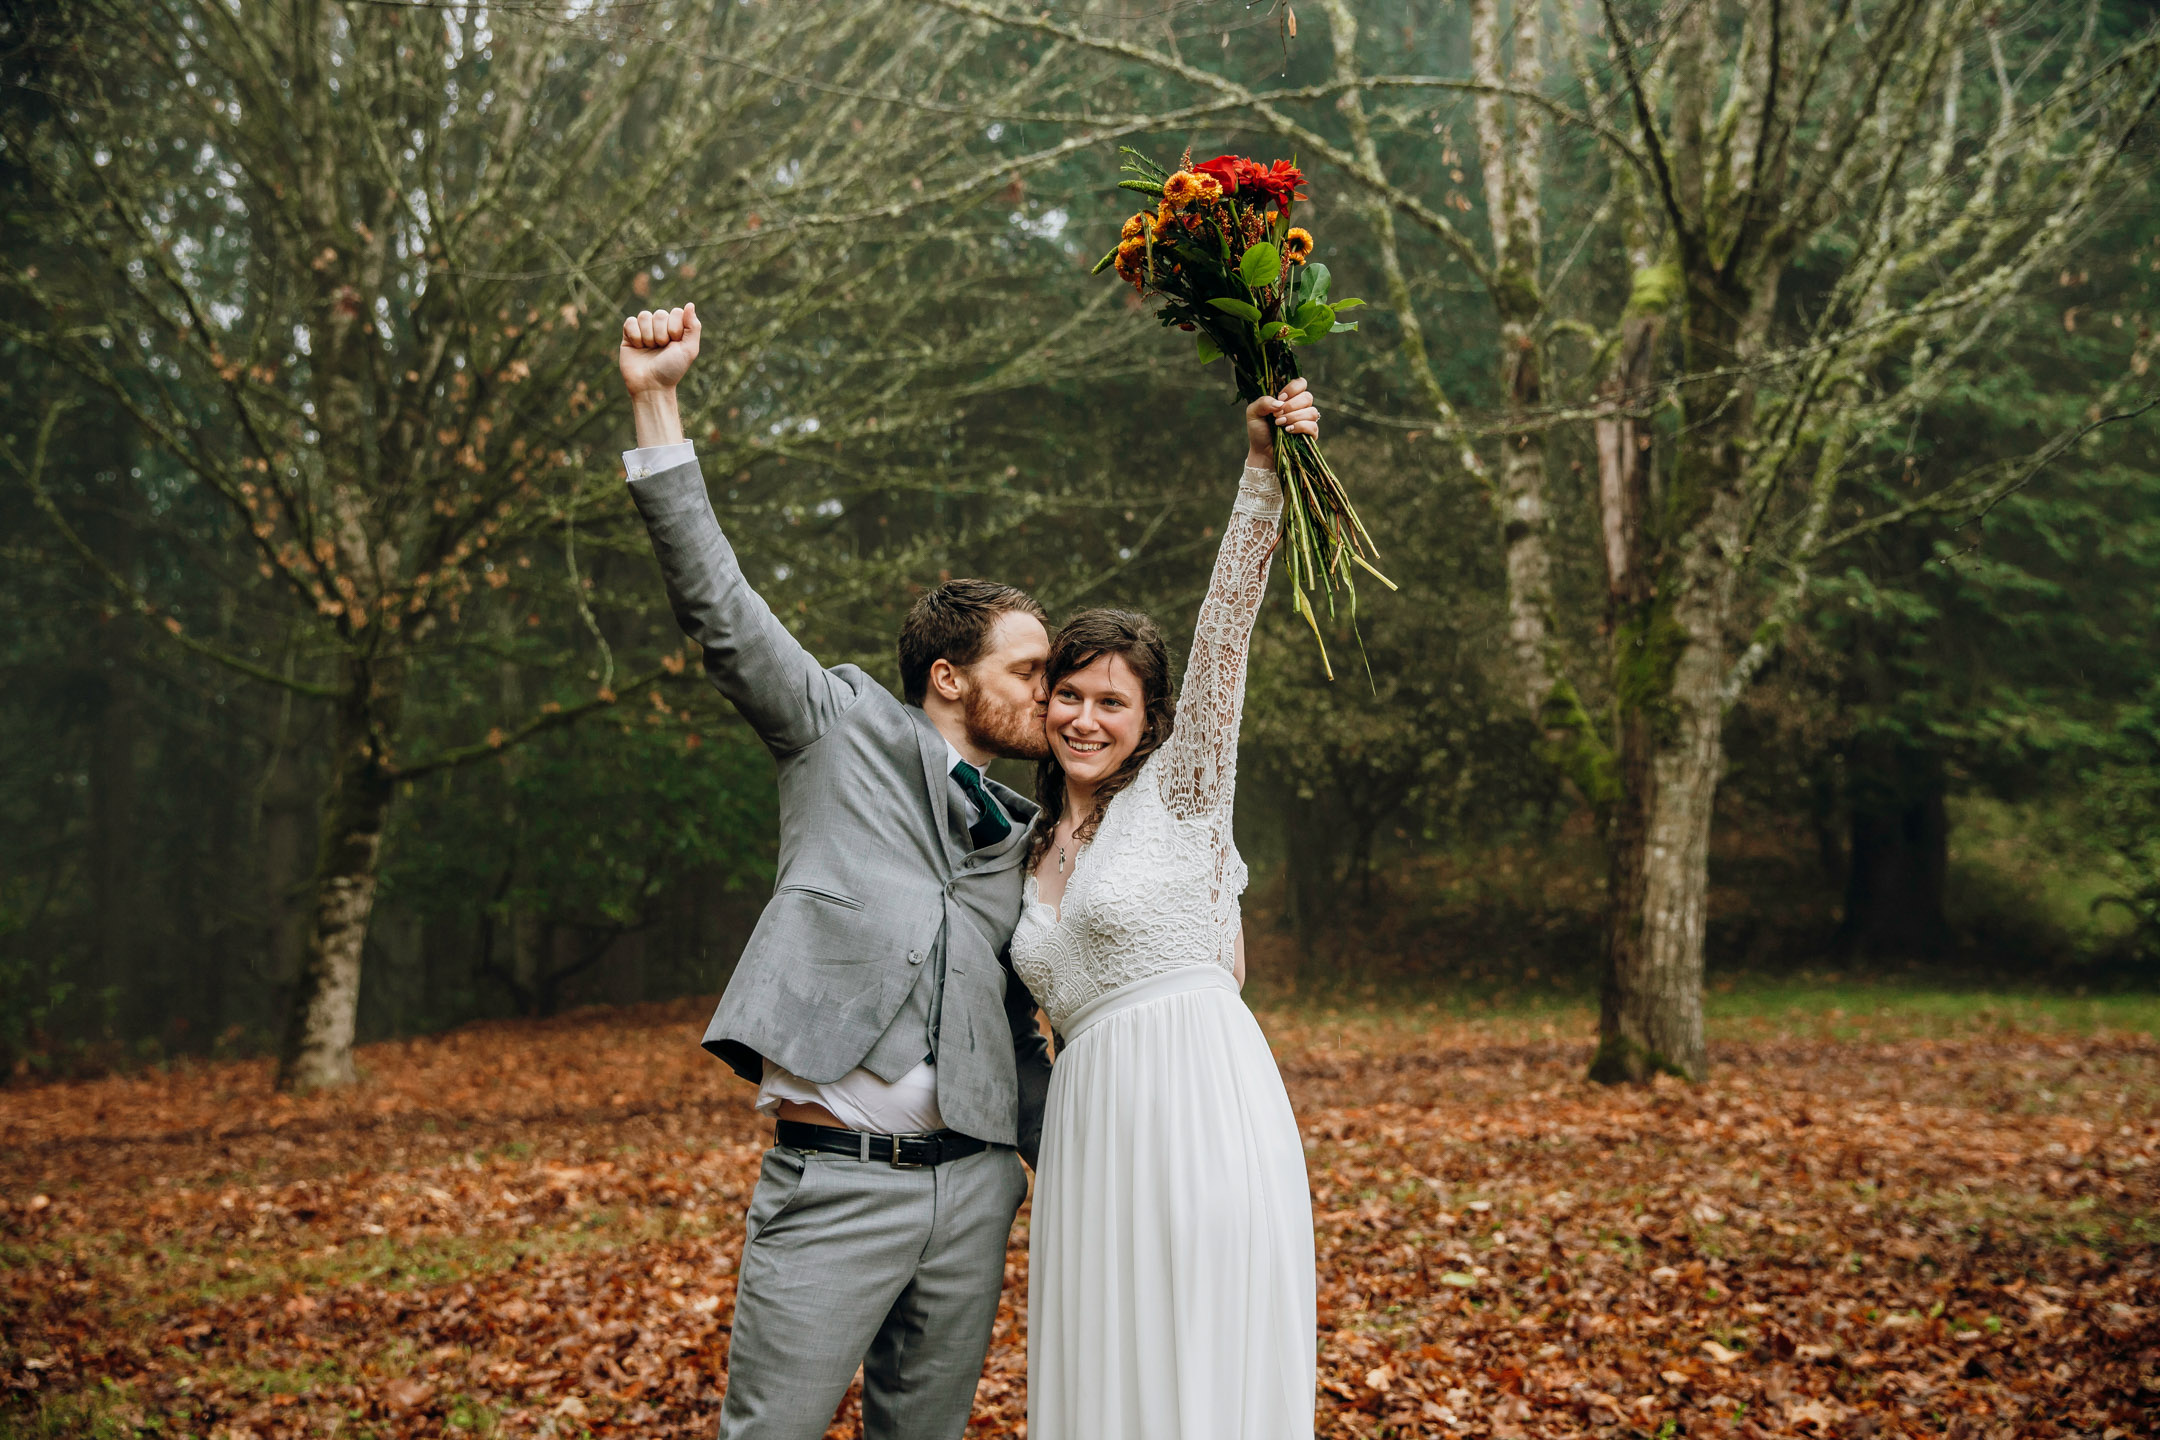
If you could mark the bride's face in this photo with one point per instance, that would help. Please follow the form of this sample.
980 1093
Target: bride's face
1095 719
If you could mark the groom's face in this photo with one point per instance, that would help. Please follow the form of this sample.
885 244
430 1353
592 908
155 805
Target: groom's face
1002 695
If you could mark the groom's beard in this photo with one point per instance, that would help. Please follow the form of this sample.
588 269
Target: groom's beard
1012 731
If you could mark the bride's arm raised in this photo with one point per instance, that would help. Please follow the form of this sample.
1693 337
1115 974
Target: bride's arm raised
1199 764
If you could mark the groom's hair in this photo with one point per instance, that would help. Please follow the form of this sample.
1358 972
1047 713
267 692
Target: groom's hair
953 623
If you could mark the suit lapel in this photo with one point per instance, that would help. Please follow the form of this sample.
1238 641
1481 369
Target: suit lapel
945 808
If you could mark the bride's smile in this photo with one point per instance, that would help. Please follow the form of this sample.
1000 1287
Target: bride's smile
1094 720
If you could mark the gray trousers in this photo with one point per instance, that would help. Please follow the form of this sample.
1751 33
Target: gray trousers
845 1264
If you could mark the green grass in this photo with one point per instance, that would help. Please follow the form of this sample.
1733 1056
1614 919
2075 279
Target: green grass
1830 1006
105 1412
1848 1008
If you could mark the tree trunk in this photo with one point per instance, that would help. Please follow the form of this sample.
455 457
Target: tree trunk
1624 447
558 962
1650 1019
528 962
288 856
1899 857
118 895
326 1003
1308 871
625 961
1669 670
1511 161
117 892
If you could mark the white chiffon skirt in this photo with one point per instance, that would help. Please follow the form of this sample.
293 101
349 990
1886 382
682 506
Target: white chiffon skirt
1170 1257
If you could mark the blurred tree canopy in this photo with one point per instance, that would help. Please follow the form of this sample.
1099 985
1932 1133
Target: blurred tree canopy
1755 413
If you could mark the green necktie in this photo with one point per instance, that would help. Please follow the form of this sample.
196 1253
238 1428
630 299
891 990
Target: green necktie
993 826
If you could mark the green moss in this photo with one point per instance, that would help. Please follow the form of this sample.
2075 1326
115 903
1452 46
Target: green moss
1575 749
1515 294
1620 1061
1646 648
1656 288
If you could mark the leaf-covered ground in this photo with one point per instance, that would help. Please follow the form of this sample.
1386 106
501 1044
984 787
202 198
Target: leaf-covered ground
1858 1228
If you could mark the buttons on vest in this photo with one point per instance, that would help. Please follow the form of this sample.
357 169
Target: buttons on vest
914 957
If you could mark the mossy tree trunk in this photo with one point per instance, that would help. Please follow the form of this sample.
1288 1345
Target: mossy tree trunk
326 1003
1650 1019
1511 158
1671 753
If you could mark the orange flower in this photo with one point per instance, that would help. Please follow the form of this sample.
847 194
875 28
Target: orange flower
1132 260
1181 190
1210 188
1297 245
1135 228
1166 223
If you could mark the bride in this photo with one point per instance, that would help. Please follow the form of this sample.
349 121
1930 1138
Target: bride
1171 1253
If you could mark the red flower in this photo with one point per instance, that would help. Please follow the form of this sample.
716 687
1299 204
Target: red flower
1251 179
1234 172
1280 181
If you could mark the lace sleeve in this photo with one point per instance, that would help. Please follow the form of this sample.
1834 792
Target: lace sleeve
1198 770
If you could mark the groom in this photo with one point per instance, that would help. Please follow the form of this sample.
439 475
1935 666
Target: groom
873 1007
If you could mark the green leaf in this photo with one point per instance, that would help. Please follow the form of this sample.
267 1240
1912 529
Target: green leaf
1236 307
1208 349
1145 187
1316 282
1340 328
1346 304
1273 329
1262 265
1105 263
1312 313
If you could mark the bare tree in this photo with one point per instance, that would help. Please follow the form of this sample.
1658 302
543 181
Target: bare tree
358 269
1895 148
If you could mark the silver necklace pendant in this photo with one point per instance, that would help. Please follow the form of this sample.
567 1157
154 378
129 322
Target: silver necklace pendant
1061 859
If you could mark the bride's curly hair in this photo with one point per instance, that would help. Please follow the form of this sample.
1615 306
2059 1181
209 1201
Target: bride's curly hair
1079 643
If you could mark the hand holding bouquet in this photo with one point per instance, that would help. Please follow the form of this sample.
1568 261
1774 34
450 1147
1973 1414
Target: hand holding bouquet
1220 250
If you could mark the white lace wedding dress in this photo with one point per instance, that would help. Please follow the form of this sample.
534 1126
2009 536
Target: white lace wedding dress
1170 1257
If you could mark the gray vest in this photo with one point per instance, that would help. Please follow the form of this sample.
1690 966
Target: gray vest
913 1035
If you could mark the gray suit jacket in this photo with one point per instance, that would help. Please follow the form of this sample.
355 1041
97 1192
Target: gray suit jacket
877 892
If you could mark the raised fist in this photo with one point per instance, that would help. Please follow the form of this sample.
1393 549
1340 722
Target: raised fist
657 348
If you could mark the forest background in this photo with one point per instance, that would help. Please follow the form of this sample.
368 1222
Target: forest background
1751 401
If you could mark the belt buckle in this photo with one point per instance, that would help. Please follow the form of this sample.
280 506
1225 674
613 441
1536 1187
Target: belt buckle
899 1164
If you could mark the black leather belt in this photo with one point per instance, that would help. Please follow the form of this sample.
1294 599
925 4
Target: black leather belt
902 1152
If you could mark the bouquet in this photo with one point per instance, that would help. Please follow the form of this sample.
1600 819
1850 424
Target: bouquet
1220 250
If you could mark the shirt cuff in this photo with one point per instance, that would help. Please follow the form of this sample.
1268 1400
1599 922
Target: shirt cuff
652 459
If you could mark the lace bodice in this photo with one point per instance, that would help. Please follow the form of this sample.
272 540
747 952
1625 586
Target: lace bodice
1157 888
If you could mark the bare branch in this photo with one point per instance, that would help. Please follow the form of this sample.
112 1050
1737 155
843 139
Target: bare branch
32 477
500 742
